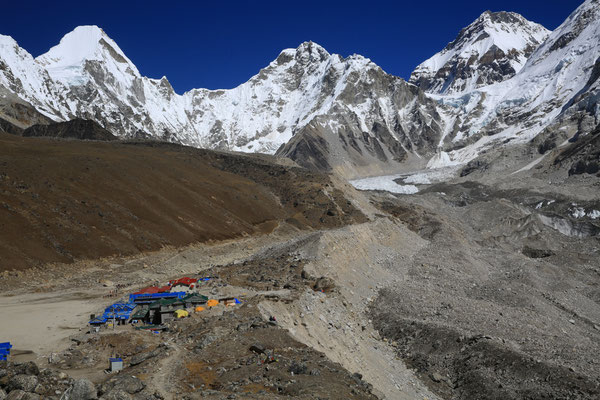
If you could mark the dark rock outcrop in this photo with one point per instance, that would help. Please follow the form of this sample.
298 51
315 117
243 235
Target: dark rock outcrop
76 129
582 156
8 127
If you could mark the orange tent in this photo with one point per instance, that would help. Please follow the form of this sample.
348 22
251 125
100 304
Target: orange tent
212 303
198 309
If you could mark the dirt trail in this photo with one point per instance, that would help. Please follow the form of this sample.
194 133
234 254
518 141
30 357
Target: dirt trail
165 369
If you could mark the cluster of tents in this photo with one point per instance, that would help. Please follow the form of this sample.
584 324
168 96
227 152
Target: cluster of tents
156 305
181 313
210 303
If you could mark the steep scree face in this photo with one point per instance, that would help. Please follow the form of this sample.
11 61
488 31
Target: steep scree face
581 157
492 49
376 122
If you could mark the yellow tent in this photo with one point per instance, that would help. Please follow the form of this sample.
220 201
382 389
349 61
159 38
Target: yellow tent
181 314
198 309
212 303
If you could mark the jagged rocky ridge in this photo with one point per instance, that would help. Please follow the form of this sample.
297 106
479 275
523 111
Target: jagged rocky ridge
376 116
492 49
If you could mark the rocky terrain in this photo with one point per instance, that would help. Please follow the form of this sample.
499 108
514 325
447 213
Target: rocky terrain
488 311
476 278
463 290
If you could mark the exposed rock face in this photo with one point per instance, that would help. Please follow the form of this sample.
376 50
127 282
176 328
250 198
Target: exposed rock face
7 127
75 129
492 49
376 122
555 91
583 156
18 112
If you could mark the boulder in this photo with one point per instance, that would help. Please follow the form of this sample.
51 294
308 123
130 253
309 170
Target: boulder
23 382
141 357
130 384
127 384
17 395
29 368
83 389
298 368
116 394
324 284
257 348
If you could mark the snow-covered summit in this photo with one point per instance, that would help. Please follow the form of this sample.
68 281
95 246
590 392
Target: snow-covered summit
492 49
20 74
66 61
311 52
87 75
6 40
557 87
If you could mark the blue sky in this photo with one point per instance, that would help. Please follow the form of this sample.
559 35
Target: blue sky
220 44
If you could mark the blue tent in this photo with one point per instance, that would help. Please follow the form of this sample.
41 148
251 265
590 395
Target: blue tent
5 350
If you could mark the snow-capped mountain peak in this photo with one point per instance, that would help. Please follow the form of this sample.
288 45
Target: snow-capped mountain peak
349 103
309 52
7 41
552 98
492 49
65 61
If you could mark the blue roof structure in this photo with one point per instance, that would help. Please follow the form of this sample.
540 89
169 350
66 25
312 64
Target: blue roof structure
117 311
147 298
98 321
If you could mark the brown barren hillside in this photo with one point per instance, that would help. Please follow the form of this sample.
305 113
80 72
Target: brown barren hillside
62 200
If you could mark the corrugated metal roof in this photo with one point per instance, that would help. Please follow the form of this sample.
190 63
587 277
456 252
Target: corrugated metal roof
165 302
195 298
141 313
183 281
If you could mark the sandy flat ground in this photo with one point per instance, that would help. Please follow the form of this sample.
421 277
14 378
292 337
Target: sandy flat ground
43 322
